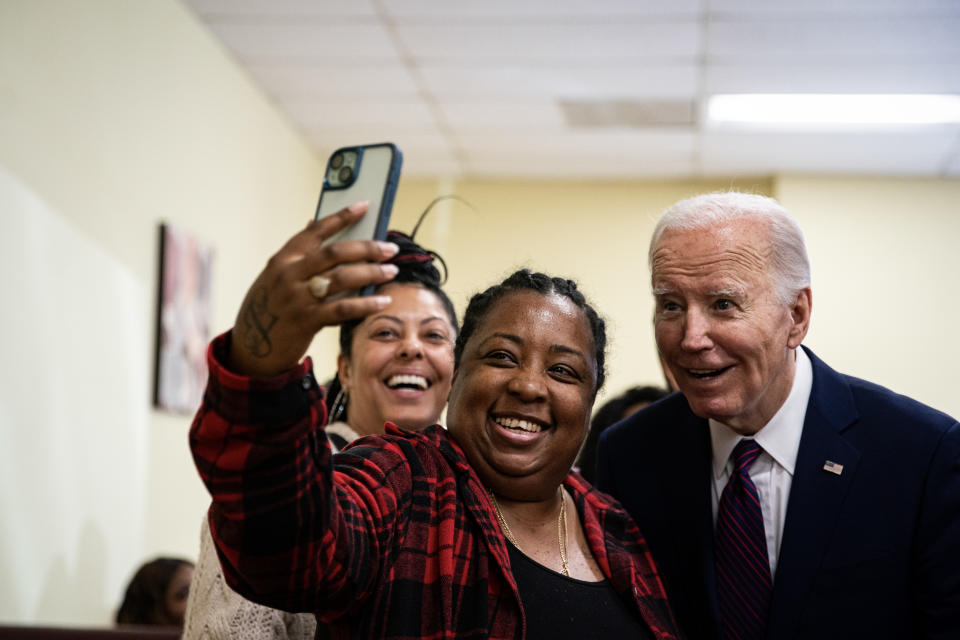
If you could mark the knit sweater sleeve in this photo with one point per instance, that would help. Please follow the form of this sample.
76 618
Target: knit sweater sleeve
217 612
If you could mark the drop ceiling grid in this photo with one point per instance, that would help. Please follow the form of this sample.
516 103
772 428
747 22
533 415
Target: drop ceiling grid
472 88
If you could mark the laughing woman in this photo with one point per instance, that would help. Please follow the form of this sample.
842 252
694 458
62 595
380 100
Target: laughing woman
393 365
475 532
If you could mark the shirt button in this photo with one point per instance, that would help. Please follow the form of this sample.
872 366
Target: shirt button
305 383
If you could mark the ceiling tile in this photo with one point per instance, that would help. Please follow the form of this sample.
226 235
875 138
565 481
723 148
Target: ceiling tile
539 10
408 138
830 76
902 152
550 166
577 145
867 39
215 10
464 115
332 45
522 43
579 80
857 8
359 113
388 80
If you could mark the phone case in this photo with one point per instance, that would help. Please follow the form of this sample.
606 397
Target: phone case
376 173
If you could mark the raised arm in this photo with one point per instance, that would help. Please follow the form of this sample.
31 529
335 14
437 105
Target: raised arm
284 530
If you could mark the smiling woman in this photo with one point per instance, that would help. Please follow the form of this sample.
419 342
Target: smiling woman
399 362
394 365
405 535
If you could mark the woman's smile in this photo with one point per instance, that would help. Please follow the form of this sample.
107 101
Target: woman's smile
521 397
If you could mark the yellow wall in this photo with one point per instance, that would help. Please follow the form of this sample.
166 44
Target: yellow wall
115 115
885 265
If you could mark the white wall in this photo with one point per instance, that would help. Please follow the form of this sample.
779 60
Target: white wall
114 115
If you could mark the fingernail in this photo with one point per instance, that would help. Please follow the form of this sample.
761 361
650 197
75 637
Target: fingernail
382 302
389 269
389 248
356 207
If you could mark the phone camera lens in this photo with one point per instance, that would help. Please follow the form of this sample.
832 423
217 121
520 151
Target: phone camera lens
345 175
336 161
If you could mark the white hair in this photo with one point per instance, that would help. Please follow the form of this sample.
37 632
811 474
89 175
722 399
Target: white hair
790 266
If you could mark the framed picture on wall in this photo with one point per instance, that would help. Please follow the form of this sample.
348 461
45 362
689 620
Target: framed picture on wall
183 320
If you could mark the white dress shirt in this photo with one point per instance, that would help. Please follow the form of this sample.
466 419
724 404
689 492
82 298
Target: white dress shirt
772 472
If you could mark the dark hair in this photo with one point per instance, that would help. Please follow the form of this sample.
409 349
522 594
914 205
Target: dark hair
416 266
145 601
526 280
608 414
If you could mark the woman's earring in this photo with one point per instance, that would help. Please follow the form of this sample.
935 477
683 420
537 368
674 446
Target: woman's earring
339 405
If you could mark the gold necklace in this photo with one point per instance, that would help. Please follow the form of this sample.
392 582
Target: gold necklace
561 529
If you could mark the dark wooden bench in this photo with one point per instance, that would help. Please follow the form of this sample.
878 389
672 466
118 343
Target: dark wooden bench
85 633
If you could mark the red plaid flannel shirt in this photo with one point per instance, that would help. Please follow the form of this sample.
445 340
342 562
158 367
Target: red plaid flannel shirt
392 538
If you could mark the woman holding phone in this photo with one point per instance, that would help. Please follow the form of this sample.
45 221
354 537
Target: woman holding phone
474 531
394 366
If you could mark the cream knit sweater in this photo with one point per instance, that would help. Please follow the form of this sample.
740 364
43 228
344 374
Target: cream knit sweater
217 612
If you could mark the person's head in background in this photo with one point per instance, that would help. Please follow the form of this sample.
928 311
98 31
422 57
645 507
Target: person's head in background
612 411
157 594
396 365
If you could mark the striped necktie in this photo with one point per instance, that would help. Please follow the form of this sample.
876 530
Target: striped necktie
743 569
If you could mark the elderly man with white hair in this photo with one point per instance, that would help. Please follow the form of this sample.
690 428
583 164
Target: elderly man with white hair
780 499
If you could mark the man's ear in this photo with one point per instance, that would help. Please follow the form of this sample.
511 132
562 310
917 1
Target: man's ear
343 372
800 316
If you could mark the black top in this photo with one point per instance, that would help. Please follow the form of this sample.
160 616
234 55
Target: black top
559 607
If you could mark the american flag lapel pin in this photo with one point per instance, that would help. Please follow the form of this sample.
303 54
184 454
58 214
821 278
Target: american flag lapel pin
833 467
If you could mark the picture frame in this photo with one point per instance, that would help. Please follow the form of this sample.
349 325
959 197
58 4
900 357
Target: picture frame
183 322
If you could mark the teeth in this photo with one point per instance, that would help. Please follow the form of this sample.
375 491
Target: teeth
706 373
411 380
523 425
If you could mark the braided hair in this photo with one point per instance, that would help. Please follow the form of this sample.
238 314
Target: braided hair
416 266
526 280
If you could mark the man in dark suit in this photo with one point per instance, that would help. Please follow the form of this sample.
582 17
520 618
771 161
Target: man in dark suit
780 499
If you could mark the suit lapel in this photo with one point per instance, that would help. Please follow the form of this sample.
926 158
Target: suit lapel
816 495
690 514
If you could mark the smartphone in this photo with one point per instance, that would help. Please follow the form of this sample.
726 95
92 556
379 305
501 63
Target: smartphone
363 172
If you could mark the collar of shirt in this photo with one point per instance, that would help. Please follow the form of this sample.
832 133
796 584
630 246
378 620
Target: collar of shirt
780 437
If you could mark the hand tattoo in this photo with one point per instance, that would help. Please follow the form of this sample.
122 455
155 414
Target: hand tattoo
258 321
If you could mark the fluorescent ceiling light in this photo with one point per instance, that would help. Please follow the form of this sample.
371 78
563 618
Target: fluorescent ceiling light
833 109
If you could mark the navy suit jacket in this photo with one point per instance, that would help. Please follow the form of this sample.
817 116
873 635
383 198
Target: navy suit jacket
873 552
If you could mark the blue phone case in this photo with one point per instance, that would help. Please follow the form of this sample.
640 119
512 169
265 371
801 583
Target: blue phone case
376 174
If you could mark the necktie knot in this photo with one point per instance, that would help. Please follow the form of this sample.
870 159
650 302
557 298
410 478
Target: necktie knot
744 455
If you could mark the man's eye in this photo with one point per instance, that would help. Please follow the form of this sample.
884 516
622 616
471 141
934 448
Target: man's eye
724 304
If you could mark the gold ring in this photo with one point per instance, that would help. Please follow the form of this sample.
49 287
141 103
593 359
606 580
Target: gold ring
319 286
